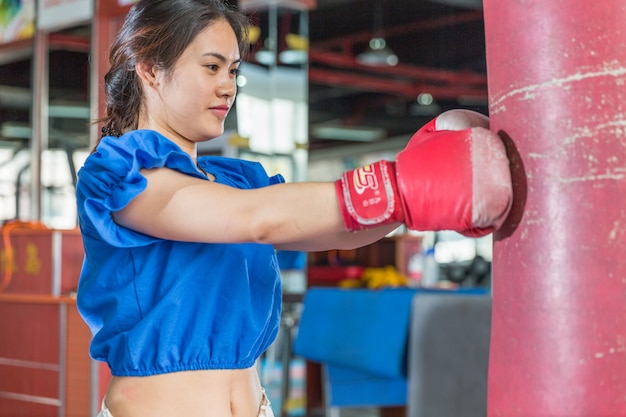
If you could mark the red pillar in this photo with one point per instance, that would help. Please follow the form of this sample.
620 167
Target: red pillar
557 89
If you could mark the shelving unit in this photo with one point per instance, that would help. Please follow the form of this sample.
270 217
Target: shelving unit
328 267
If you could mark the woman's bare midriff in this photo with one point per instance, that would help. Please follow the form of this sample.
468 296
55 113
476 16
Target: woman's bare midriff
214 393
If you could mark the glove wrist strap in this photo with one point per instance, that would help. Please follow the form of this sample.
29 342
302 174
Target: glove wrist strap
368 196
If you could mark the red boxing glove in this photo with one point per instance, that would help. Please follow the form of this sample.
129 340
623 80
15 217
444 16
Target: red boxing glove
453 175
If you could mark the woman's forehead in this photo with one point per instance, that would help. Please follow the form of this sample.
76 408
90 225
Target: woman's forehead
218 38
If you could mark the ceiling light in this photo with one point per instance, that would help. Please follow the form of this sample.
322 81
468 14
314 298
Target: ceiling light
241 80
378 53
265 57
297 51
16 130
338 131
293 56
425 99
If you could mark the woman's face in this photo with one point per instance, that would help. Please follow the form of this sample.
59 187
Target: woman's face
191 104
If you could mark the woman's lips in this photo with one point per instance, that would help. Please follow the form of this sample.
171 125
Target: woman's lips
220 111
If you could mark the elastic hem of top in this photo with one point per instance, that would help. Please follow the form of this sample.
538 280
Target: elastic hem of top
181 368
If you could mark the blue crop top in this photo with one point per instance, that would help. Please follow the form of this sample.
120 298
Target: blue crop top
157 306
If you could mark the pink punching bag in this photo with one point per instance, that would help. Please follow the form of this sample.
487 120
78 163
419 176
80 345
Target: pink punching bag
557 94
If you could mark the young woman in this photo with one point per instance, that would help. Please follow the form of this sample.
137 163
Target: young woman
180 284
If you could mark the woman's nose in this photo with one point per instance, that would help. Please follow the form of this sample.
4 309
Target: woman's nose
228 86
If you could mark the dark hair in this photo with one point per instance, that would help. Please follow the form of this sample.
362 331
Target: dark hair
157 31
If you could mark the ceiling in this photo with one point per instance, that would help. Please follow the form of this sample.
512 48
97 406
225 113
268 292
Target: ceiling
441 54
440 50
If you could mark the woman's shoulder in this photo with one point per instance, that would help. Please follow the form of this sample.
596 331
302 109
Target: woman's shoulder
136 150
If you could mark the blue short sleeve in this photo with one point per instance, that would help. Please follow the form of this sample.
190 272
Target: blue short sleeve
111 178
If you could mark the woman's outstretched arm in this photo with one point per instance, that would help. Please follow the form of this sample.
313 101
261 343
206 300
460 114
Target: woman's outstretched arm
295 216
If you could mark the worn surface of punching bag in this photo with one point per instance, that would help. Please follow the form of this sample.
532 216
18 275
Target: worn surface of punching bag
557 94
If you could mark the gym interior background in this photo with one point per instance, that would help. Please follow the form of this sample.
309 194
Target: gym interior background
328 85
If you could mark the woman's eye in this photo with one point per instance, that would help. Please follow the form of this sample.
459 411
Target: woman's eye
235 71
212 67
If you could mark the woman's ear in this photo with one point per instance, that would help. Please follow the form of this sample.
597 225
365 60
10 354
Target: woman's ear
147 73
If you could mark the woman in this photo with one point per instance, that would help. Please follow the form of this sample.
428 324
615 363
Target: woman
180 284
